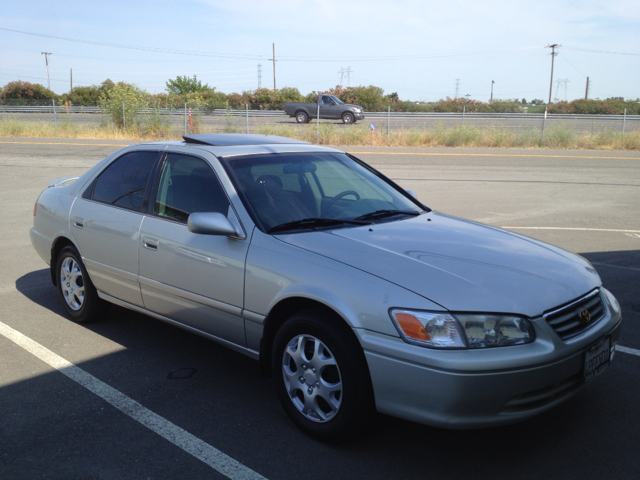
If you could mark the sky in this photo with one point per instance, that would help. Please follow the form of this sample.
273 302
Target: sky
420 49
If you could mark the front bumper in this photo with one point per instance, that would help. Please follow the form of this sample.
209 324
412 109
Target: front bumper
482 387
358 116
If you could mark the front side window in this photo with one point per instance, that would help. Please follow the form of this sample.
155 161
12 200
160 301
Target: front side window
124 182
187 185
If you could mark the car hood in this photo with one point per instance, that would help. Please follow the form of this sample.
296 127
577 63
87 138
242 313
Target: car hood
458 264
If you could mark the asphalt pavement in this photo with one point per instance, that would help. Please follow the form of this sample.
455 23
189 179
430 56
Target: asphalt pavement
202 397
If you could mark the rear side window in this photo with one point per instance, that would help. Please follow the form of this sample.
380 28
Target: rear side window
125 181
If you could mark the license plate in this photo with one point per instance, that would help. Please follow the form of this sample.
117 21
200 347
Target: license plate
596 358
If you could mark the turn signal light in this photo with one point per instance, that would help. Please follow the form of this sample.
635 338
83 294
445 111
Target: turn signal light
412 327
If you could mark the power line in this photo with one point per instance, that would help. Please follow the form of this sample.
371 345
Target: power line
260 57
137 47
565 57
601 51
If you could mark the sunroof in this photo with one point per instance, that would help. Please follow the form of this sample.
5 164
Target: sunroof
230 139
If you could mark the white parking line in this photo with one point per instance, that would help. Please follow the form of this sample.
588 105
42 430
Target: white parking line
615 266
167 430
576 229
632 351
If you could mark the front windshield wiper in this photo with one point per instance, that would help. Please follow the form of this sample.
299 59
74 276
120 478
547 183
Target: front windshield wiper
384 213
314 222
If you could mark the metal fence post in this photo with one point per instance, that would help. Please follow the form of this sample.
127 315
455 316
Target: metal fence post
55 119
464 109
318 125
544 121
124 118
388 121
246 106
624 120
185 118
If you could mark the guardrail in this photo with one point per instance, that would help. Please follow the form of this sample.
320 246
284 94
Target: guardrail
274 113
385 120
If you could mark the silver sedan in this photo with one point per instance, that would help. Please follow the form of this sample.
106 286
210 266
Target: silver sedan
352 294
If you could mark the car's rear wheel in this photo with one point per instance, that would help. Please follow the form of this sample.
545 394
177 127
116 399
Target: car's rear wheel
348 118
321 375
302 117
77 294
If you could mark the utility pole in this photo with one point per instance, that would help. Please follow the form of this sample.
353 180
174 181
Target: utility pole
46 59
274 65
586 92
553 55
259 76
491 99
457 87
71 79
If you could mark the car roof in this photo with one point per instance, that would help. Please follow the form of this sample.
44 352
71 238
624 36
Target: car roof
236 144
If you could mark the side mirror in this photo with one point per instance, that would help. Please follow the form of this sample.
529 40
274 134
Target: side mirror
211 223
412 193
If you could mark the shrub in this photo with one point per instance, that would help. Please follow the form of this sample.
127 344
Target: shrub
22 92
87 95
112 101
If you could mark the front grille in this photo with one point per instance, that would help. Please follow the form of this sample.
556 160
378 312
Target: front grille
567 322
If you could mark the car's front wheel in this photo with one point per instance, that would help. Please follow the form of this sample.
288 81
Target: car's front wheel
77 294
348 118
321 375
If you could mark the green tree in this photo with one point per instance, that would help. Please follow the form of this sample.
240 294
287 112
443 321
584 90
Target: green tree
123 99
89 95
23 91
182 85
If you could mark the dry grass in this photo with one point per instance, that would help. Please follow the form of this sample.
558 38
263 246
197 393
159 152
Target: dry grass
331 134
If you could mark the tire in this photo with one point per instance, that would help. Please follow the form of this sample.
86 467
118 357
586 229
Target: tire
348 118
77 294
321 376
302 117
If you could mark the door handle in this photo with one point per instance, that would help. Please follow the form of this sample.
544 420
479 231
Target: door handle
78 222
150 243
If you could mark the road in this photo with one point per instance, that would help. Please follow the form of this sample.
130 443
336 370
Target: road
52 427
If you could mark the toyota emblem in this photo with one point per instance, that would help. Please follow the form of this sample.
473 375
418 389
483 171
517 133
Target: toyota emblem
585 316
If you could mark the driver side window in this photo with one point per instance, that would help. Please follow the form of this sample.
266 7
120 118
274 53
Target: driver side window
187 185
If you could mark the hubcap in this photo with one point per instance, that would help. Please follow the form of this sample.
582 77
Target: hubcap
72 283
312 378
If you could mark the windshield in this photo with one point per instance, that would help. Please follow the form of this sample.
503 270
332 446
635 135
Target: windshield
337 100
285 189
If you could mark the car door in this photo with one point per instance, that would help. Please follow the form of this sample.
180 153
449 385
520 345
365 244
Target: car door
328 107
195 279
105 223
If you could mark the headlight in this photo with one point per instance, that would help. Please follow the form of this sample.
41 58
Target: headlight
357 110
445 330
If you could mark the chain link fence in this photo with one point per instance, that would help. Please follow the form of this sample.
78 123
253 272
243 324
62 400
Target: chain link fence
254 116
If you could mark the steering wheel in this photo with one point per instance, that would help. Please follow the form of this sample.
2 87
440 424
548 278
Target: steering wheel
331 202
